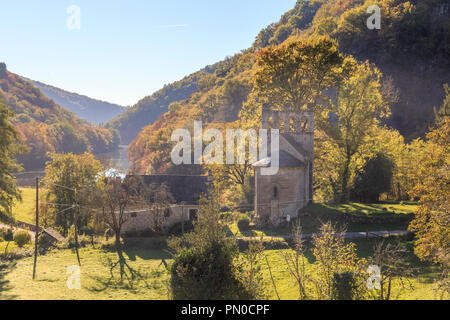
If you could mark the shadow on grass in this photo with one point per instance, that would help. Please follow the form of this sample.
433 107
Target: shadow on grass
5 286
150 279
146 254
146 277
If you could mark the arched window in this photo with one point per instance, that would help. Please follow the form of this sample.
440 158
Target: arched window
292 125
304 124
275 193
281 125
270 123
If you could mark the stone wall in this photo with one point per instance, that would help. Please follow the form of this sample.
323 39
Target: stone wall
141 220
292 194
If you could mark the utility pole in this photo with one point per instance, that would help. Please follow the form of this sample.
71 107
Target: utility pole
36 237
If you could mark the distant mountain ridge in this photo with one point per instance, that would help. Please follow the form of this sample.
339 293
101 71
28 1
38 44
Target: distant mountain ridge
44 127
84 107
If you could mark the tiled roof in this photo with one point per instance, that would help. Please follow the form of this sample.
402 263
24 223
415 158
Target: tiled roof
184 189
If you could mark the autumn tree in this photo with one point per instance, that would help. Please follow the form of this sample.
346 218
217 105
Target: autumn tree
334 256
235 178
113 197
394 267
298 72
66 176
432 220
9 146
160 202
349 122
295 261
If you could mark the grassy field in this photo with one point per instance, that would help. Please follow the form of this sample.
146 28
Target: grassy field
52 277
24 211
52 268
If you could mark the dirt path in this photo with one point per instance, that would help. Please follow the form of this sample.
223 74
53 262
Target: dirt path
347 235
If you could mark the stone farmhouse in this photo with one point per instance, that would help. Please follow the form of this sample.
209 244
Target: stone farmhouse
186 191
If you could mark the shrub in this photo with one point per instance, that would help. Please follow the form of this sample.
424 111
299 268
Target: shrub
244 223
207 264
374 179
177 228
226 216
22 238
131 234
344 286
148 233
86 230
44 242
6 234
206 274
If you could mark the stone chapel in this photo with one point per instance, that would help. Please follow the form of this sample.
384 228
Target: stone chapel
279 197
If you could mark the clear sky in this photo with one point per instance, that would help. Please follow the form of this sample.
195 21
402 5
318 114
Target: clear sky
126 50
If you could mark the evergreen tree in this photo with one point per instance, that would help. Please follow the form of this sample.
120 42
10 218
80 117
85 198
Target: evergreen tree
9 146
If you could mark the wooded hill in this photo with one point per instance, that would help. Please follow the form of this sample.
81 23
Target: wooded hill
412 48
46 127
93 110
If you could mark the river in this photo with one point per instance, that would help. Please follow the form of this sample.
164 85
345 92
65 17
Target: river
117 159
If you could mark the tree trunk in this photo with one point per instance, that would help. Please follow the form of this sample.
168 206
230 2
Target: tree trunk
345 178
388 295
120 255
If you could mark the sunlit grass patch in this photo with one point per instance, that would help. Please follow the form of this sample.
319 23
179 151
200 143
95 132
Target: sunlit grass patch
24 210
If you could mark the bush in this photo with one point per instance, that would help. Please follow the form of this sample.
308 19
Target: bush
207 274
44 242
147 233
344 286
22 238
87 231
374 178
244 223
6 234
131 234
177 228
226 216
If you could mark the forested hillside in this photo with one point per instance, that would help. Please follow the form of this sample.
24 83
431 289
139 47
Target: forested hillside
93 110
147 110
412 48
46 127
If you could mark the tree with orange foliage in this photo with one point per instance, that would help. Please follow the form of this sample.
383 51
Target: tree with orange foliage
432 220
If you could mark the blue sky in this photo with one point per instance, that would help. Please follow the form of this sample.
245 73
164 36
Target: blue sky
126 50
